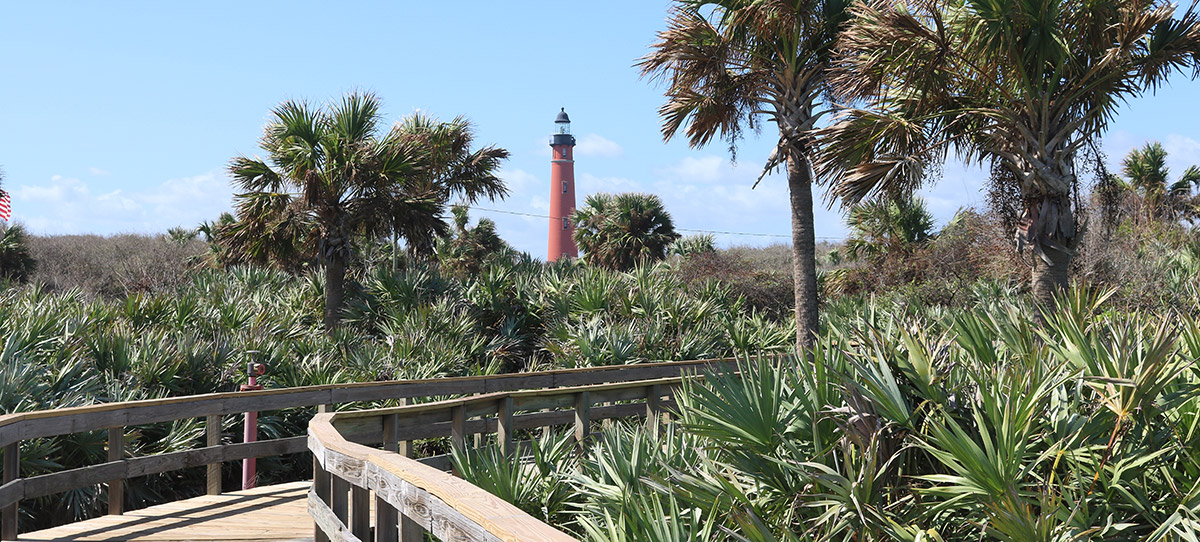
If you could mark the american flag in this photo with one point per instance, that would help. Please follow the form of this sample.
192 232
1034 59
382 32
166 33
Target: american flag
5 206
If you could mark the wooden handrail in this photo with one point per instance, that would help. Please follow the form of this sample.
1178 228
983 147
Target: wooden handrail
114 417
416 497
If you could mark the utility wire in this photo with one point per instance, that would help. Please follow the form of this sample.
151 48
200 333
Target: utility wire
747 234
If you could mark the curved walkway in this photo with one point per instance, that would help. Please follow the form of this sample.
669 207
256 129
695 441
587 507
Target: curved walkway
275 513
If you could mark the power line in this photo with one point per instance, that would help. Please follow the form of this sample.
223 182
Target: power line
715 232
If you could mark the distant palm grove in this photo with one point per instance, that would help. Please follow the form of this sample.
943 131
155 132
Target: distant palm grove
1030 371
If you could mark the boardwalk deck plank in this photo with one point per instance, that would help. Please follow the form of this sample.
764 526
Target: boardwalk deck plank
276 513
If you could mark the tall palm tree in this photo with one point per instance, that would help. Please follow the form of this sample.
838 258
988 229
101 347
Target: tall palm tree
731 64
623 230
1019 85
332 172
1147 174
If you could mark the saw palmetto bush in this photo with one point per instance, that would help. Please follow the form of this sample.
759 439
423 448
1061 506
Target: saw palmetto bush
918 423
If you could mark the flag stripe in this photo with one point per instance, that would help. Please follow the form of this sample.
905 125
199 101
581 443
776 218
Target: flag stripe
5 207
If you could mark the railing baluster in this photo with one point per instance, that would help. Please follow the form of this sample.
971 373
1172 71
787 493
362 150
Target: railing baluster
212 432
116 488
339 499
12 470
385 515
504 428
360 512
321 484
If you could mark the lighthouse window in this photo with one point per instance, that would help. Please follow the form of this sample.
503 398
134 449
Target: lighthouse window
564 187
564 222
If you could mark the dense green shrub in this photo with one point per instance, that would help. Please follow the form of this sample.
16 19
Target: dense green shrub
16 263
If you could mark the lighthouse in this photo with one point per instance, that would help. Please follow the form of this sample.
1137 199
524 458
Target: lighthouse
561 243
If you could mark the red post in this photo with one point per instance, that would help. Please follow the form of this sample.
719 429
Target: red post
250 431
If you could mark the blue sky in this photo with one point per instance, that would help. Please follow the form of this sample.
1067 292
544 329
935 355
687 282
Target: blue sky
121 116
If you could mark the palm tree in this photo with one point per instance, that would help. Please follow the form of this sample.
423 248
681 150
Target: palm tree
1147 174
1021 86
730 64
332 174
881 228
623 230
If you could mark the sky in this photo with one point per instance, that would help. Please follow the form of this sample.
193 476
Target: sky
122 117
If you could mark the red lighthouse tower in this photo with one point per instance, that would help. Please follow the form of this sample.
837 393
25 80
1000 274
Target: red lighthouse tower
562 191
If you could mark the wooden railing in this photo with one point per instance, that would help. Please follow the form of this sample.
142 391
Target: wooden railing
412 497
115 417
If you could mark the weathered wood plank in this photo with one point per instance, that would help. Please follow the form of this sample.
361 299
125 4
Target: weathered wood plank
268 513
583 420
116 487
12 471
327 521
212 438
360 512
504 424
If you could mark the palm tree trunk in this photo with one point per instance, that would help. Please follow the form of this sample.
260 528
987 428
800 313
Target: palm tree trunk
1050 277
335 290
804 247
1053 222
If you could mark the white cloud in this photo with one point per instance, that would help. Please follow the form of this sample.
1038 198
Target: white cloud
518 180
1182 153
597 145
97 171
586 183
68 205
704 169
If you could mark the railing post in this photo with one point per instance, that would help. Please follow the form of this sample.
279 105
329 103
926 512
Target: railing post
458 429
12 468
322 485
212 437
410 531
504 428
654 407
583 421
116 488
385 515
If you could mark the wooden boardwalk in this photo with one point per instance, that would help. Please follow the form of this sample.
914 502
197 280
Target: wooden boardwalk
276 513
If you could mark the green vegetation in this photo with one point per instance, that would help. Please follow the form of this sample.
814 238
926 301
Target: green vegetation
16 264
